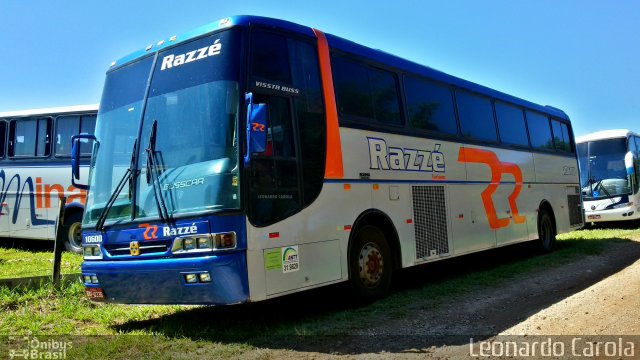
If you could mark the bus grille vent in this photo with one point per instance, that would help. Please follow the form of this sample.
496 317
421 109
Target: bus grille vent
575 209
430 218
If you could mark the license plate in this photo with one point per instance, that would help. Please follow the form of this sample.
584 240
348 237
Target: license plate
95 294
593 217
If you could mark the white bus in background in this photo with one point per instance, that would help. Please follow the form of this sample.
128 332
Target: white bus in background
35 151
609 175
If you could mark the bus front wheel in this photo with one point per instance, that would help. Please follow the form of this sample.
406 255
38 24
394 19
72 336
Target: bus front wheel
546 231
370 264
72 232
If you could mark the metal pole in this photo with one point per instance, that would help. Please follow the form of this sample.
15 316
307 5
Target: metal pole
59 243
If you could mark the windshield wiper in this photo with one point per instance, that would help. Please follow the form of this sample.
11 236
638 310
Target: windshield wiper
599 183
153 175
128 175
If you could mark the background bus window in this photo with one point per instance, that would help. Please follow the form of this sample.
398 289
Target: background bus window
430 106
561 136
511 125
3 137
67 126
476 116
29 137
539 131
366 92
43 141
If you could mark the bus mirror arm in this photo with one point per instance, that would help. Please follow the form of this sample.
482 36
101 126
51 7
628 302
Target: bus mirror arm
75 158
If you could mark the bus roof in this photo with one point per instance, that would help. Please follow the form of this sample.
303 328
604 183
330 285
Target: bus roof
605 134
47 111
341 44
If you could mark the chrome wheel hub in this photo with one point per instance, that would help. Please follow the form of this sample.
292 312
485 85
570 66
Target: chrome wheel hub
371 265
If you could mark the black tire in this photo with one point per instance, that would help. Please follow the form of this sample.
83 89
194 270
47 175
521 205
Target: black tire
72 233
546 231
370 265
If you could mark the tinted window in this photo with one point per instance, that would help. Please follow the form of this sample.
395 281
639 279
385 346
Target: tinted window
310 117
559 140
23 137
511 124
270 60
384 95
430 106
476 116
126 85
3 137
566 136
364 91
352 88
66 127
87 126
539 131
43 141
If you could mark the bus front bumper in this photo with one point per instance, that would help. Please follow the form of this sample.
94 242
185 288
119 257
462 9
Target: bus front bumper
164 281
625 213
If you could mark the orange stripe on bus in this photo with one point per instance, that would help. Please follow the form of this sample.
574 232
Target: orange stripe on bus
333 163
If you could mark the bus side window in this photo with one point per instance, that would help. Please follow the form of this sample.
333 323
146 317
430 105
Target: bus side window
562 143
476 116
539 131
366 93
66 126
87 126
511 126
30 137
430 106
3 137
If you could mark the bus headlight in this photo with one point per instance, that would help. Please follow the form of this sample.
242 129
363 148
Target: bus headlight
92 252
188 244
204 243
225 240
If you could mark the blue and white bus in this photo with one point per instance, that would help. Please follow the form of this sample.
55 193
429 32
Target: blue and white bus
253 158
35 151
610 174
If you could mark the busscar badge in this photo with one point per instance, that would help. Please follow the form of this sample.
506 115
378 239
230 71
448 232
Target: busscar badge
134 248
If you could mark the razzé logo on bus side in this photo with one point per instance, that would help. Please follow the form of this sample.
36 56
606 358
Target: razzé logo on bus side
498 168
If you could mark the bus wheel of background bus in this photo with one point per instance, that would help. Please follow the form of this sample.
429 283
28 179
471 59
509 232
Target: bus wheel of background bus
72 231
370 264
546 230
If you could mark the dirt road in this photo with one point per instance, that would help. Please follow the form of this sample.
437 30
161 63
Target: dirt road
594 295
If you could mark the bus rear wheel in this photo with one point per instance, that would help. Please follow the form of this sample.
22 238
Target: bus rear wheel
72 232
546 231
370 264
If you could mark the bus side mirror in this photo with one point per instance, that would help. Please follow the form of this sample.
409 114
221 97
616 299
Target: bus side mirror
628 162
75 158
256 128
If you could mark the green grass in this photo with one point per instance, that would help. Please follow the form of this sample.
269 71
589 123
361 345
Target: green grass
16 263
222 332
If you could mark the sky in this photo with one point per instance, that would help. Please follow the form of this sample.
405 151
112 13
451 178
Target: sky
581 56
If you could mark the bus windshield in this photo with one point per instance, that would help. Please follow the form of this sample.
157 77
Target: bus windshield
191 162
602 168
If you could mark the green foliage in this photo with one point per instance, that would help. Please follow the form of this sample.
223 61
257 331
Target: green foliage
16 263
